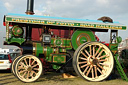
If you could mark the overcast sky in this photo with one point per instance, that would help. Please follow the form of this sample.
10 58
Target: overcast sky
82 9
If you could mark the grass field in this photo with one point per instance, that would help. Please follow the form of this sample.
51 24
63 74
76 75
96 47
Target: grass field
7 78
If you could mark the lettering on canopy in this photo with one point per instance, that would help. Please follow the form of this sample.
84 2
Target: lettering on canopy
66 23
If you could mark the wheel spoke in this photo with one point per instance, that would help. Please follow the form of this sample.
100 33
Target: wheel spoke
28 74
90 50
34 65
84 65
87 52
100 53
101 67
89 70
103 60
20 67
82 58
24 74
100 71
29 61
33 72
82 62
86 69
22 64
94 51
104 64
92 73
35 68
95 71
103 56
25 62
32 62
97 51
22 71
83 54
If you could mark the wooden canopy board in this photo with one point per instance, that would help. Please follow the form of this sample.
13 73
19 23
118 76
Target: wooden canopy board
59 21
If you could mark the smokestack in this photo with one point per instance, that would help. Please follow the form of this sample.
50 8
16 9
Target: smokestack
29 11
30 5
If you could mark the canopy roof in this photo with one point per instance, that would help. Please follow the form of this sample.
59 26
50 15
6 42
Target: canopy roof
60 21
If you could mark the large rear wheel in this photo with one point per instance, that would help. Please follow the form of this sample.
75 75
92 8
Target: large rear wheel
28 68
93 61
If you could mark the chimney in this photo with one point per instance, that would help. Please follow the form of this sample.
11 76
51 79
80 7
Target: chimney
29 11
30 5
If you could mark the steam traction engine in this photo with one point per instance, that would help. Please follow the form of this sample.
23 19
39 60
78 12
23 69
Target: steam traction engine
61 43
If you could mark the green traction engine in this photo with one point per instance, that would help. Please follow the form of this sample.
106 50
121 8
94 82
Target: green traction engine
62 44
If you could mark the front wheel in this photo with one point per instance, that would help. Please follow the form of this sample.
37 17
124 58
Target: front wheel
13 63
93 61
28 68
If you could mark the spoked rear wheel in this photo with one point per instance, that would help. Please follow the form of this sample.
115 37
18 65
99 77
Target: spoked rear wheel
28 68
93 61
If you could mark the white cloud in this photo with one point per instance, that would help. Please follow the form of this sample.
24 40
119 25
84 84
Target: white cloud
38 12
71 8
83 8
8 6
15 6
103 1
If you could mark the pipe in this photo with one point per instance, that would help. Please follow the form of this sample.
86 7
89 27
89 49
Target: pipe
30 5
28 32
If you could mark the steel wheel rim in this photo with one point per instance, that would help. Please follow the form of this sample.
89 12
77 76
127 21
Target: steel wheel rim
13 63
28 68
93 65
